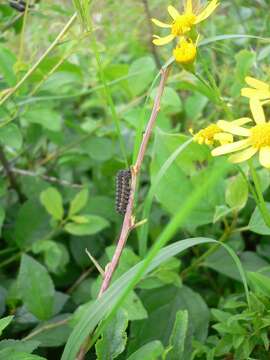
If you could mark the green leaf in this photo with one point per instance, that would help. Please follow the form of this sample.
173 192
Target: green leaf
94 225
114 337
257 224
151 351
10 135
31 212
4 322
96 311
179 337
259 283
36 287
100 149
79 202
46 117
144 69
237 192
51 199
170 102
6 354
2 218
7 61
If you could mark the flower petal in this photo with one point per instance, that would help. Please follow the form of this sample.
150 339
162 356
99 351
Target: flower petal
257 111
243 155
161 24
241 121
224 138
256 94
188 7
173 12
228 148
257 84
232 128
163 40
207 11
264 156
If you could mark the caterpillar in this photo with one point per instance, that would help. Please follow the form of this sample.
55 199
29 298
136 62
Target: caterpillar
123 178
19 5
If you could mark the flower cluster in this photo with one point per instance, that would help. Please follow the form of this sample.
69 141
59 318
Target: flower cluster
245 142
181 27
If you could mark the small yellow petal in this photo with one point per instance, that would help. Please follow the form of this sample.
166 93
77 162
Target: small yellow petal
223 138
264 156
161 24
188 7
257 111
207 11
243 155
232 128
173 12
163 40
256 94
257 84
228 148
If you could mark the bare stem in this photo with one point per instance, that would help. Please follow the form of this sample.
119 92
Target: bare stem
128 223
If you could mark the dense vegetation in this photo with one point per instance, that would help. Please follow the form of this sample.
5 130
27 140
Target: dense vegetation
78 83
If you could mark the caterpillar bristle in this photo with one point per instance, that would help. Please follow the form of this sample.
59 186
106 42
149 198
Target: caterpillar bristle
123 178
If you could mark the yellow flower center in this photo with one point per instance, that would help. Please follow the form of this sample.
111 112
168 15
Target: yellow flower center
260 135
185 52
206 136
182 24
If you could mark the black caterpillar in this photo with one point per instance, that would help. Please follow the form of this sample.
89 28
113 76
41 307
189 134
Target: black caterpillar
122 190
19 5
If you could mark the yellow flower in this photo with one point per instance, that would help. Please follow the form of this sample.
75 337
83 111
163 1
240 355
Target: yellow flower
257 90
185 52
183 23
210 134
257 138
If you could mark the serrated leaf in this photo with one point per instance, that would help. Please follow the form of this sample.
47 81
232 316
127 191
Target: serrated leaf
4 322
114 337
94 225
36 288
51 199
79 202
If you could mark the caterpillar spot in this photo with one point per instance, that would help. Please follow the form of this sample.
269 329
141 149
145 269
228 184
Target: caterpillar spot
123 178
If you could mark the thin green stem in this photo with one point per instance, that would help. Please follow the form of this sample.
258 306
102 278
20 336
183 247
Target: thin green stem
21 46
39 61
261 202
109 98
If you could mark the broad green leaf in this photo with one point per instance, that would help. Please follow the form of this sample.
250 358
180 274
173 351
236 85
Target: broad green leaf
36 287
31 212
98 148
113 339
237 192
44 116
257 224
10 135
10 355
7 61
170 102
179 337
79 202
260 283
144 69
15 346
162 306
52 200
4 322
151 351
94 225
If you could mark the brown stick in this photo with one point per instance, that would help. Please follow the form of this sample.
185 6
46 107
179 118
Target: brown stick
128 222
10 175
150 25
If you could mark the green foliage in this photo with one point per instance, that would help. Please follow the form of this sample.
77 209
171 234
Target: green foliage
78 81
